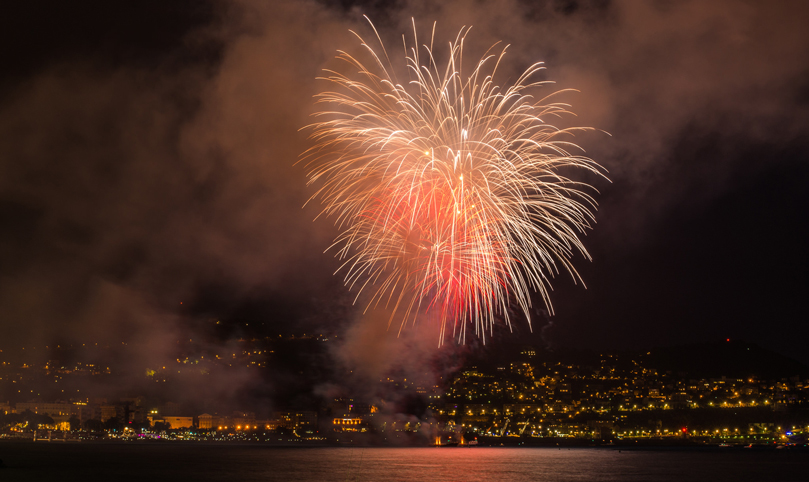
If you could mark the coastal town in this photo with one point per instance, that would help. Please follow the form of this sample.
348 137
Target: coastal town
527 400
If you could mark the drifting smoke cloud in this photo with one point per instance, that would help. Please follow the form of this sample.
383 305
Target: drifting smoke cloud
126 189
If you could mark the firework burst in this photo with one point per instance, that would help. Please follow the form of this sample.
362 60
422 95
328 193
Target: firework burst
447 189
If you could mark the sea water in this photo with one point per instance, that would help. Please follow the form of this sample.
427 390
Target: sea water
143 462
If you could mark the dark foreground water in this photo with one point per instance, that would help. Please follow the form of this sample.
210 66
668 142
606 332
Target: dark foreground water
90 462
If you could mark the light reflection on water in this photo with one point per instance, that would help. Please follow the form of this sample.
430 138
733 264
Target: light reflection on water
540 464
180 462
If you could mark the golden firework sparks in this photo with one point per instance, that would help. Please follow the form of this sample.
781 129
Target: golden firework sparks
448 189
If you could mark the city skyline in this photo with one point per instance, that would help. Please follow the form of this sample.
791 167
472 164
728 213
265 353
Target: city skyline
523 396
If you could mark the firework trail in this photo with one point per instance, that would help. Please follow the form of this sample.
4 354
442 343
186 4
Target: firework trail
447 189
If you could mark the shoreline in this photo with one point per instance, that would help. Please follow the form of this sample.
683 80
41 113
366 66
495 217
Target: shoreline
621 446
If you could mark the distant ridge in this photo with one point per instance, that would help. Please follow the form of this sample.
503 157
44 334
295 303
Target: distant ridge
732 359
735 359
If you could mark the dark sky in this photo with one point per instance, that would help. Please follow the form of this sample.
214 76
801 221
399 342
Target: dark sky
147 156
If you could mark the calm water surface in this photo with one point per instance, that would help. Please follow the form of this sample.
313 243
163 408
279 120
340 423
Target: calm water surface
173 462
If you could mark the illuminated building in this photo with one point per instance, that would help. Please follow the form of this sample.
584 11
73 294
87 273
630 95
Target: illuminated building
176 422
59 409
303 420
60 412
349 424
207 421
107 412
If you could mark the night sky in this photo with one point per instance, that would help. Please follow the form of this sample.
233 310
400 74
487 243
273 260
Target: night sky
148 180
